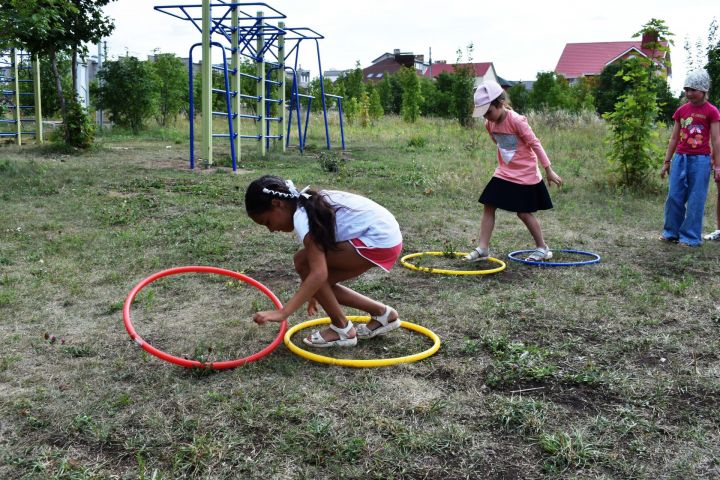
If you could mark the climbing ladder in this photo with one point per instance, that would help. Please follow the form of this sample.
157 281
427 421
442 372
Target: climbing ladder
19 96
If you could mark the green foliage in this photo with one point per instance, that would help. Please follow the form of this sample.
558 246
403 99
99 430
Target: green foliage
610 86
461 96
552 92
49 28
351 108
173 86
411 97
519 97
79 127
390 92
375 109
129 90
48 90
634 152
364 109
351 83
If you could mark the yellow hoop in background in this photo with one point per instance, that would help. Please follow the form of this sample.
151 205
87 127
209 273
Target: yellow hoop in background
409 265
349 362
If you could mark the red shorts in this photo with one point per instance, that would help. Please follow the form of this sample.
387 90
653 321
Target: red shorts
384 258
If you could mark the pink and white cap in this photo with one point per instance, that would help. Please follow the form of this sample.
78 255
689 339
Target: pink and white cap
485 93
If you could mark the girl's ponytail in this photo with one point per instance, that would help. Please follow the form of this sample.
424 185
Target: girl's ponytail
321 215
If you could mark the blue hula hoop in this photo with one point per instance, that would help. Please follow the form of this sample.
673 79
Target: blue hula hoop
595 258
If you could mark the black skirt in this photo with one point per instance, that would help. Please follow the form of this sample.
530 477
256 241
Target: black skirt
515 197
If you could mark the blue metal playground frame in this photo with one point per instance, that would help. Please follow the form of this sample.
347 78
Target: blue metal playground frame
262 43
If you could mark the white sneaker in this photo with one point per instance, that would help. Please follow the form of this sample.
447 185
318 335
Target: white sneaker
713 236
477 255
540 254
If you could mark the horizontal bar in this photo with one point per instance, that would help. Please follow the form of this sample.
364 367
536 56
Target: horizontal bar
247 75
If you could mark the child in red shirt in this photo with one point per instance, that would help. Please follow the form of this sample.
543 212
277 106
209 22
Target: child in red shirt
695 137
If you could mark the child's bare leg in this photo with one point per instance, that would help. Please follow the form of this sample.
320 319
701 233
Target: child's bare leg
487 225
343 263
533 226
326 299
353 299
717 206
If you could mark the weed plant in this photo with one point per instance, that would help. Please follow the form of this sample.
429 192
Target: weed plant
605 371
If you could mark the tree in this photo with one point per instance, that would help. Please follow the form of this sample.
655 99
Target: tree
411 97
51 27
634 152
375 109
610 86
390 92
172 84
129 89
519 97
463 86
351 83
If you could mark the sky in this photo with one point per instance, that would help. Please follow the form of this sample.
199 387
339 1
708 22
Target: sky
520 38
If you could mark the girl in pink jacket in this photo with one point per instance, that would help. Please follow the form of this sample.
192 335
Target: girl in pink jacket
517 185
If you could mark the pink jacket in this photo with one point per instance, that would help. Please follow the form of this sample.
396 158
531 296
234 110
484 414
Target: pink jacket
518 150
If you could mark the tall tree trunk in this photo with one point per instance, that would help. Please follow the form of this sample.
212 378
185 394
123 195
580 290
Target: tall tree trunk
58 85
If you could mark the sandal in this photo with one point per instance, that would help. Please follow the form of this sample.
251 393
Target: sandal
665 239
317 340
540 254
713 236
478 254
364 332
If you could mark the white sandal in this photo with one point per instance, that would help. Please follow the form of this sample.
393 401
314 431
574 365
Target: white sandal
317 340
386 326
478 254
540 254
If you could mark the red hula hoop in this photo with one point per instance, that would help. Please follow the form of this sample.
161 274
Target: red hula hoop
184 362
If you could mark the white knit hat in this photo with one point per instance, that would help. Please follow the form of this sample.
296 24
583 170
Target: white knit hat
698 80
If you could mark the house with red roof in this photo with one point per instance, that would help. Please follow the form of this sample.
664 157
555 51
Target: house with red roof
589 59
481 71
389 63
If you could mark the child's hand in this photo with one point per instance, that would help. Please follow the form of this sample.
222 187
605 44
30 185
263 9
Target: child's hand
666 168
312 307
268 316
717 175
553 177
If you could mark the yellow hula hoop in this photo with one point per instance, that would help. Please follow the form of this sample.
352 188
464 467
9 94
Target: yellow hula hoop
349 362
409 265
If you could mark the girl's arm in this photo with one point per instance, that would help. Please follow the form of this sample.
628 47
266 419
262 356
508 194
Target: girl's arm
715 144
528 137
316 277
672 145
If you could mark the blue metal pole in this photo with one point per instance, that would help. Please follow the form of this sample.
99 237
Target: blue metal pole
322 96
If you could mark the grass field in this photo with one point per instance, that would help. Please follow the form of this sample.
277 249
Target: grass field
605 371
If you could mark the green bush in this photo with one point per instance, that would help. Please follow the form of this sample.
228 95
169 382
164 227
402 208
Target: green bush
79 130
